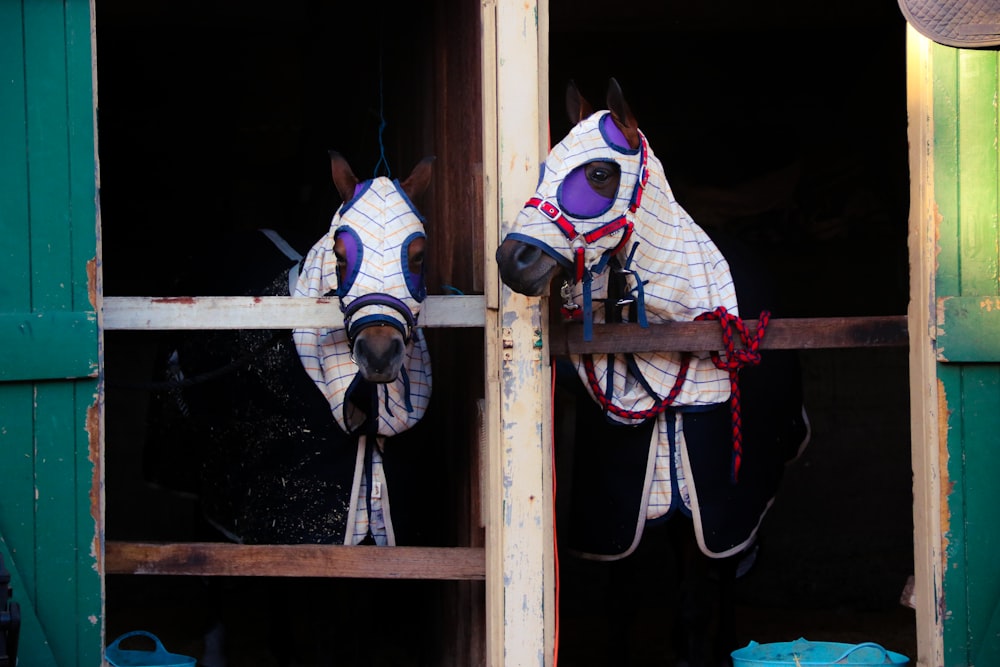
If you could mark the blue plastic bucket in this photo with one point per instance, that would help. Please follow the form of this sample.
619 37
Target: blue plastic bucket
802 653
158 657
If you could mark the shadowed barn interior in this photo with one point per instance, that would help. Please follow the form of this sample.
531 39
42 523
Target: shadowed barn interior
786 126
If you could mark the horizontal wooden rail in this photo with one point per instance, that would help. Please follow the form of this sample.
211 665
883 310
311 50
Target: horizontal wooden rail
282 312
294 560
786 334
149 313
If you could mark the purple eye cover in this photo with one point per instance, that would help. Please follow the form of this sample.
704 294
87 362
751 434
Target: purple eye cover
578 199
614 136
353 251
414 279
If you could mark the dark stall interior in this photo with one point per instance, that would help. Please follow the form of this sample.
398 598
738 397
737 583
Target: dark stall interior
783 124
215 120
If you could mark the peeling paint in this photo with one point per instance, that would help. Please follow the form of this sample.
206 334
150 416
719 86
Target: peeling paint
174 299
92 282
947 486
989 303
94 456
513 162
939 307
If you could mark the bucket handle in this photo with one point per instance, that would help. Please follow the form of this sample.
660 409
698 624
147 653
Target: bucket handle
159 645
857 647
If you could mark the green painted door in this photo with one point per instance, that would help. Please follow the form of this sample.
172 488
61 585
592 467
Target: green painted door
967 288
49 407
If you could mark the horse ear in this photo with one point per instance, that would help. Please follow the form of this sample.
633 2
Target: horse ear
622 114
576 106
343 177
419 178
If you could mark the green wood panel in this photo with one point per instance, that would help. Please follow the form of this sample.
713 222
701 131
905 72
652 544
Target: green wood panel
15 292
981 470
945 75
977 153
46 519
968 329
48 329
48 151
89 587
31 635
82 156
17 494
967 183
48 345
57 489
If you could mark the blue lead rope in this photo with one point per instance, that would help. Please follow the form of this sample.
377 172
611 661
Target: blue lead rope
638 292
588 309
382 162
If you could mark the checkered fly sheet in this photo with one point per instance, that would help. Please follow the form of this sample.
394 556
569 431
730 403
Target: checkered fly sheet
674 274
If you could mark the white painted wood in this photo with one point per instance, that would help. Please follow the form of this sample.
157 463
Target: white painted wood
267 312
519 563
926 420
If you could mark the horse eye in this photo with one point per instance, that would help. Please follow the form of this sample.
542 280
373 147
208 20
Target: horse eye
601 172
341 254
416 261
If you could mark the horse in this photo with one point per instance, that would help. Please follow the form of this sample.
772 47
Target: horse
687 449
299 436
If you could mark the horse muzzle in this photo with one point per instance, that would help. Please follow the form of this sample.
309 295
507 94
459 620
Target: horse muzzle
379 339
525 267
379 352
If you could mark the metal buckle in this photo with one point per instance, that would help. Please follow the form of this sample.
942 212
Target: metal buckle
566 292
549 210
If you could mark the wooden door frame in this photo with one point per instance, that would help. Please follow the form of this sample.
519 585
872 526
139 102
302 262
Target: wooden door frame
928 414
520 624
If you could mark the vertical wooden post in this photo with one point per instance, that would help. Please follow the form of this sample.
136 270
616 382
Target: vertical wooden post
520 585
925 420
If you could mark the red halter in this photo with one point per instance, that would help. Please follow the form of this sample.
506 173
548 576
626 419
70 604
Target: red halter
580 241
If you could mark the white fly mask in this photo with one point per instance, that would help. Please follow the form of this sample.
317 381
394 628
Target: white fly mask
672 271
376 227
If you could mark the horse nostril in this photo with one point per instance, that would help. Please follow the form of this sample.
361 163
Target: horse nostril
526 255
378 356
360 349
395 350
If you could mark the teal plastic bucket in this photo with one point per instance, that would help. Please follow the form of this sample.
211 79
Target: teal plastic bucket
802 653
158 657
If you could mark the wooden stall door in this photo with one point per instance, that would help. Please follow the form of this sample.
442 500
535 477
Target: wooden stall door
49 405
956 349
968 346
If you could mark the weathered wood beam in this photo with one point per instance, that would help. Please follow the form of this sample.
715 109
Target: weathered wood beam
150 313
155 313
784 334
294 560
